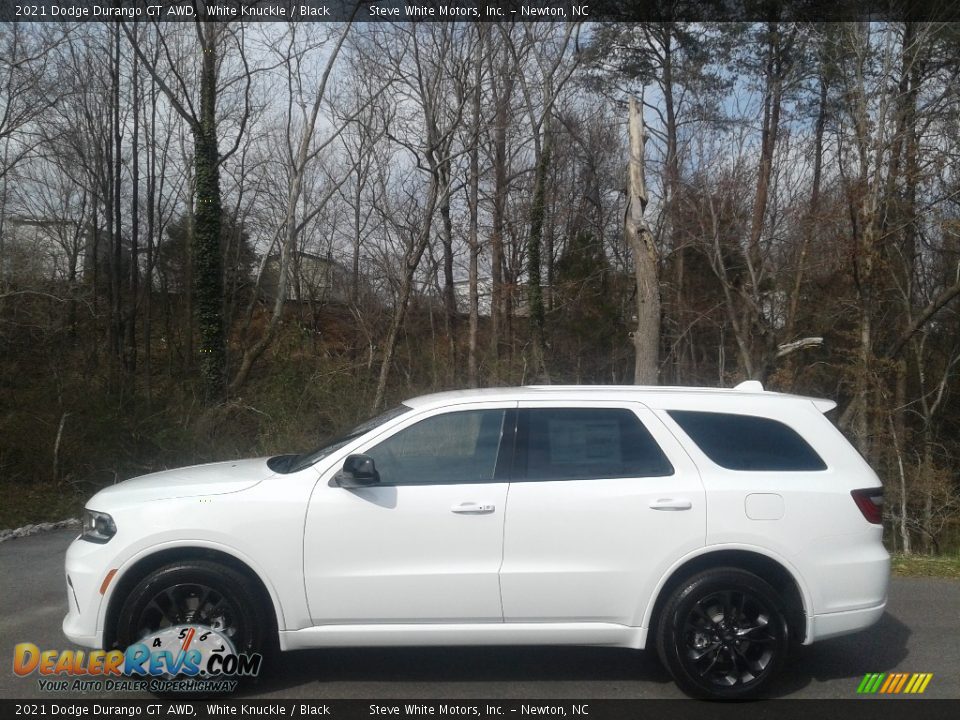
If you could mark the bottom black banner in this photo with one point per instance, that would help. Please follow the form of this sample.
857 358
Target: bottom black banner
860 709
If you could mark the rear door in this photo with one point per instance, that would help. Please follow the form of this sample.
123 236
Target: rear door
602 501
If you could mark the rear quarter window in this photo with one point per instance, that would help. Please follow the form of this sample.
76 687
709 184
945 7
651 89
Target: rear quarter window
746 442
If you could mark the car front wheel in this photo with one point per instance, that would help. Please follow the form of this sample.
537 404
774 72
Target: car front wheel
723 634
195 592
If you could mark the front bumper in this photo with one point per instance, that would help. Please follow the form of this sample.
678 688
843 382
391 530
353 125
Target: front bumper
77 633
87 565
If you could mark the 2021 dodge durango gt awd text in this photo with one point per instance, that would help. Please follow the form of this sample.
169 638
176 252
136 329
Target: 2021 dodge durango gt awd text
718 526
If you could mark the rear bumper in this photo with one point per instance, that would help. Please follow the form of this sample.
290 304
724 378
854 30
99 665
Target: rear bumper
828 625
847 578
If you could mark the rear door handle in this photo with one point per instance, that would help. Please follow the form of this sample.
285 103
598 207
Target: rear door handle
472 508
670 504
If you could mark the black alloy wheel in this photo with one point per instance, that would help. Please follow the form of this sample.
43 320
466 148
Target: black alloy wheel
723 634
192 604
195 592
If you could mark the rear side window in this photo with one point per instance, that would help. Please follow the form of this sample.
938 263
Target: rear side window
587 443
745 442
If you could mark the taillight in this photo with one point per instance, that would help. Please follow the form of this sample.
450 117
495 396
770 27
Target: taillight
870 502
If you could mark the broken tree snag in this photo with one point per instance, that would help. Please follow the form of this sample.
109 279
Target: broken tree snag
787 348
646 337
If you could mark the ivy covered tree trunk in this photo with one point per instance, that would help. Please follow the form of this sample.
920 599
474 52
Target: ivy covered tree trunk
207 261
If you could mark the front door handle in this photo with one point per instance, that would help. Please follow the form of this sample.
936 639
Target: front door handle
670 504
472 508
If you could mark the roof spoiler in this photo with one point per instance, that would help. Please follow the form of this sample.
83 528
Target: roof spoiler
755 386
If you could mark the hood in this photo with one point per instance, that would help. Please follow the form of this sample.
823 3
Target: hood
211 479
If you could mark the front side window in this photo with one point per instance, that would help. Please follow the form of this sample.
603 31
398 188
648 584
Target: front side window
452 448
746 442
587 443
295 463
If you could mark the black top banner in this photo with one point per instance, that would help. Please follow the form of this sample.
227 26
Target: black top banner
476 10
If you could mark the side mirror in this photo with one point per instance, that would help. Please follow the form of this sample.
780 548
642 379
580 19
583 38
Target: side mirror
358 471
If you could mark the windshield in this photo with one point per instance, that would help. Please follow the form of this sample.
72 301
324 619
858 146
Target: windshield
299 462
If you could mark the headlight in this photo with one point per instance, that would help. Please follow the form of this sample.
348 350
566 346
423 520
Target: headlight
98 527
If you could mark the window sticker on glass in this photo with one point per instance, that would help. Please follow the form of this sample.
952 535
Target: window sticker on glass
578 441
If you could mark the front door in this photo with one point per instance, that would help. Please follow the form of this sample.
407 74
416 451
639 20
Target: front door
425 544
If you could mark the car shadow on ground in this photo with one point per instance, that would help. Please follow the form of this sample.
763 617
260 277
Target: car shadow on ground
379 669
880 648
597 672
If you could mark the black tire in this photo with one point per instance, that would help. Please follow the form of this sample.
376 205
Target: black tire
723 634
231 605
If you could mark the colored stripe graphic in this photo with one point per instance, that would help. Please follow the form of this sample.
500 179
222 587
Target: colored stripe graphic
870 683
890 679
894 683
903 681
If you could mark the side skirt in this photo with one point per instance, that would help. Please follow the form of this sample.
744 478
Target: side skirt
413 635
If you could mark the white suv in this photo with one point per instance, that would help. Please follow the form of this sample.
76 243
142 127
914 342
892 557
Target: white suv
716 525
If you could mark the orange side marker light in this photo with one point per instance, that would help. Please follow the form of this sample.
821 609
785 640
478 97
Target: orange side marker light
106 581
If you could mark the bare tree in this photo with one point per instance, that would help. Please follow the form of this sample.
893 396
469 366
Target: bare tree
422 60
646 337
302 96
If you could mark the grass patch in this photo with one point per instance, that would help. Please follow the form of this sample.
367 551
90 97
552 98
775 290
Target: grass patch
35 503
945 566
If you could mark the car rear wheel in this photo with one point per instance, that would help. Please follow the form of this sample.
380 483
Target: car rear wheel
723 634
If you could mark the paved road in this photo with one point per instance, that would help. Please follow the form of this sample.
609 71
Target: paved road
919 633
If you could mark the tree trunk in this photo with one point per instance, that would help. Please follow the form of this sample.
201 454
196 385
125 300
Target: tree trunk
411 261
130 356
761 357
449 294
926 519
116 270
473 238
682 343
357 232
646 338
534 246
151 229
902 526
498 310
207 260
810 220
771 126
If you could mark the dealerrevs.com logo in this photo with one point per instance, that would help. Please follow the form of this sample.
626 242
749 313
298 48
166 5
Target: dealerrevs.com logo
179 658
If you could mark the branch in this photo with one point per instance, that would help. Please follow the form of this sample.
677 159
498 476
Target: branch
787 348
181 110
246 101
928 312
13 293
